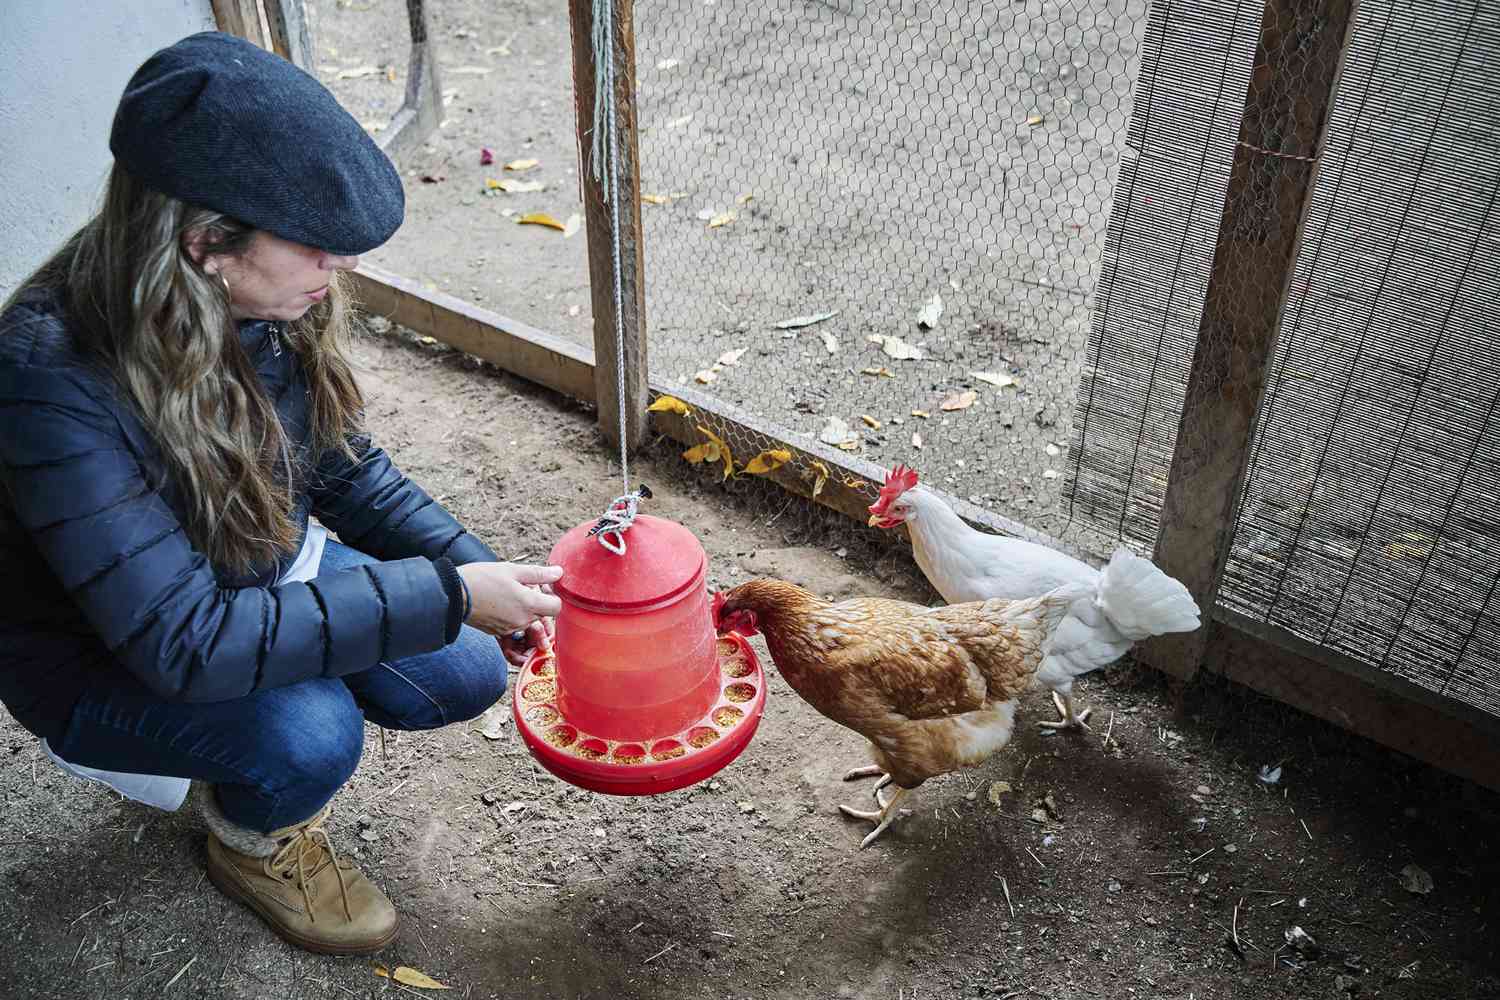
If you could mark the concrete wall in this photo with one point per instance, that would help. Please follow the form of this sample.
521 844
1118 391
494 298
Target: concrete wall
63 64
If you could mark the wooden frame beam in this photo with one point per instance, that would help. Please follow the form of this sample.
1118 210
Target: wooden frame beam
615 258
1291 90
421 111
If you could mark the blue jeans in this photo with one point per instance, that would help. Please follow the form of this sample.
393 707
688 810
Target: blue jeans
278 756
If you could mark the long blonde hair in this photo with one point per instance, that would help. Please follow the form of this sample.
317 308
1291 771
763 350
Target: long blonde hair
141 307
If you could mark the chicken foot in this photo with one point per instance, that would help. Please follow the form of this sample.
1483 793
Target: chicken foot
882 818
1070 719
870 772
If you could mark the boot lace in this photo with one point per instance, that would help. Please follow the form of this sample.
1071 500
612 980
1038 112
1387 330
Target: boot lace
307 852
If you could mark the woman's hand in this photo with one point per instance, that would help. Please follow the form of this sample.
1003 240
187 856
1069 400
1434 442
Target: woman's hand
518 644
505 597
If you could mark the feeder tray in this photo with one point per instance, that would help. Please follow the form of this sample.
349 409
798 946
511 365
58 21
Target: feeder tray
643 766
637 695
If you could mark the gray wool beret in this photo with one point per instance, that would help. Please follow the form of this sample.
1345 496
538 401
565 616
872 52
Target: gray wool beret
219 122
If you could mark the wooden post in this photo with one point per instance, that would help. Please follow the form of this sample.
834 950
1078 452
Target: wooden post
627 330
422 110
291 37
1291 90
241 18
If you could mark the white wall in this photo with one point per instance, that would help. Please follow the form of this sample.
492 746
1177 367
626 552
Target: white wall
63 64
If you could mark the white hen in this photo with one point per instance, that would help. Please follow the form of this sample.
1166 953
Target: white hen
1133 599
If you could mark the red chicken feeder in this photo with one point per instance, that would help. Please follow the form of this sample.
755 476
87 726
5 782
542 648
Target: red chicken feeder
637 695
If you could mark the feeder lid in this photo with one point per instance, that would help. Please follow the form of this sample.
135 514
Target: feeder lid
662 561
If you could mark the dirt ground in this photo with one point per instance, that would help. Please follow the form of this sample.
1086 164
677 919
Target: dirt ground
1158 847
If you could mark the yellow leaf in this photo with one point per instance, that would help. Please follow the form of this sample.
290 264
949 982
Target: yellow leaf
820 479
669 404
960 400
519 165
881 372
768 460
723 219
493 185
655 199
742 199
408 976
921 413
1036 120
541 219
714 450
702 453
870 421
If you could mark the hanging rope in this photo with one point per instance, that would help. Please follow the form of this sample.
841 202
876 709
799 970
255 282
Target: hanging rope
605 148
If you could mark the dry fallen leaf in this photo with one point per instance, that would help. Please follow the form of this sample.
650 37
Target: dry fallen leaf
1053 450
766 461
896 347
669 404
927 317
732 357
707 375
408 976
666 63
541 219
998 381
723 219
881 372
800 321
820 478
997 789
492 723
571 227
519 165
515 187
655 199
1036 120
744 198
921 413
839 434
356 72
960 400
870 421
916 440
679 122
713 450
467 70
830 342
1050 474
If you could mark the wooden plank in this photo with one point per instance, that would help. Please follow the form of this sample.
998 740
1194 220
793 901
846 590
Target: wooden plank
240 17
288 31
1381 707
534 355
422 109
615 258
1297 64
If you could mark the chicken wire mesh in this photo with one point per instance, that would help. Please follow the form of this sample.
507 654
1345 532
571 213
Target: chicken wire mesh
876 226
1369 519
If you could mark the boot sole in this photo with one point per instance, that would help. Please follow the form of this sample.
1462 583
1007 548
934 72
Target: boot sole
234 891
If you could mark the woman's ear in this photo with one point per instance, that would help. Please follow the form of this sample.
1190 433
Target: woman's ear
195 245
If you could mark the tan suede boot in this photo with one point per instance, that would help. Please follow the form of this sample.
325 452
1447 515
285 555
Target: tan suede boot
299 886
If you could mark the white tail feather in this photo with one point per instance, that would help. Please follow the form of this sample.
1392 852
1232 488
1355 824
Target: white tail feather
1141 601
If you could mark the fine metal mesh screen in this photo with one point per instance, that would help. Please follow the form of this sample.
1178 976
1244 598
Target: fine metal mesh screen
1370 514
1196 61
868 160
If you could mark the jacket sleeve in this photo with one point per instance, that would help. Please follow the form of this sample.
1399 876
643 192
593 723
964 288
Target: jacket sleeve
122 555
375 509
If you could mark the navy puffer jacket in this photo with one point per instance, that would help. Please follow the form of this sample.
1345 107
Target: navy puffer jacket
101 580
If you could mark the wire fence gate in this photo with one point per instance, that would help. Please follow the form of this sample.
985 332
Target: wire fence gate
1208 279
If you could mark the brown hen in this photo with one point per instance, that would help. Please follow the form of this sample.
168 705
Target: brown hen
933 690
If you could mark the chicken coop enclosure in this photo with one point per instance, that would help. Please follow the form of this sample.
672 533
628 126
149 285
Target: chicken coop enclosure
1207 279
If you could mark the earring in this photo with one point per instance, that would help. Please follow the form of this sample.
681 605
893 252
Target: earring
225 282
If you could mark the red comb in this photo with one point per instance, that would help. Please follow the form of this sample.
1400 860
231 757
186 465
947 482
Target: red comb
897 481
